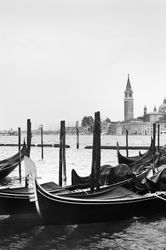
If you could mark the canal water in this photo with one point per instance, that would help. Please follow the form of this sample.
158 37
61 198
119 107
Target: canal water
134 233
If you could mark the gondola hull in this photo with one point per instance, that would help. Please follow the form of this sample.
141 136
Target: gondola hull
7 170
15 204
16 200
9 164
62 210
139 159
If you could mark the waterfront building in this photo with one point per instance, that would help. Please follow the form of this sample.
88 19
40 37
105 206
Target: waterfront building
134 128
155 116
142 125
105 127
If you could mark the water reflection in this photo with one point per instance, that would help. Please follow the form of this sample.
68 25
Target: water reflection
93 236
140 233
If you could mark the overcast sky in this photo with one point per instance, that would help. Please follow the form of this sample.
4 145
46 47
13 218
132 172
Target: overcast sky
64 59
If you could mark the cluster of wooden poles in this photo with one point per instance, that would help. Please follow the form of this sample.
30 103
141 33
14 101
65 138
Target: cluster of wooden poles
96 149
62 145
96 154
28 145
62 149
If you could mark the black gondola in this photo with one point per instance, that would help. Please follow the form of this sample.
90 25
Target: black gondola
132 159
110 175
16 200
122 171
9 164
118 203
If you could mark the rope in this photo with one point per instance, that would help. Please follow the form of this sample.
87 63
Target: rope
160 197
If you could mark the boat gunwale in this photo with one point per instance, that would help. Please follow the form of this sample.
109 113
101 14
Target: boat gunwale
75 201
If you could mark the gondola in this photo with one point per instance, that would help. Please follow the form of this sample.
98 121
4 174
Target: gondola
9 164
110 175
153 154
13 157
118 203
121 171
15 200
129 160
117 173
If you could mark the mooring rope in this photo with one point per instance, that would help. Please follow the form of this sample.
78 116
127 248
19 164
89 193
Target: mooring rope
158 196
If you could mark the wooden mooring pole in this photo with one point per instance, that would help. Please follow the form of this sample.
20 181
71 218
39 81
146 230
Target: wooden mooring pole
77 134
154 145
158 131
62 155
19 149
64 178
42 151
127 149
98 150
29 136
96 154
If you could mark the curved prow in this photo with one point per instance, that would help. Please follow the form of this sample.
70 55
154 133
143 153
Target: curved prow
36 198
31 173
30 167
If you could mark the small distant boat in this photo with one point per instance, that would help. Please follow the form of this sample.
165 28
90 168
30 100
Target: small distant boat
163 131
4 133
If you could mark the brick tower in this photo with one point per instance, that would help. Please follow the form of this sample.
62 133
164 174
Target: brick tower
128 102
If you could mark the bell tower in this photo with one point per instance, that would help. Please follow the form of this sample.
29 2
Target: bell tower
145 110
128 102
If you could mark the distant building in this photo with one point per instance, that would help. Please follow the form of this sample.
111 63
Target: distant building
134 128
142 125
155 116
105 127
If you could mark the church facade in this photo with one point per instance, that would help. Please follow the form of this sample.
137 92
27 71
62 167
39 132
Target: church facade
142 125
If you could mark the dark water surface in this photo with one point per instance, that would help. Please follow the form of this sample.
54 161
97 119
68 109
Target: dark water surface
25 233
136 233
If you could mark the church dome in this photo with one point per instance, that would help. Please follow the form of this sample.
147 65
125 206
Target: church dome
162 107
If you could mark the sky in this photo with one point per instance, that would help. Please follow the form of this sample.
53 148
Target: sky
66 59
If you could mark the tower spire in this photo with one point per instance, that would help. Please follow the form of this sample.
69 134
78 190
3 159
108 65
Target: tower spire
128 86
